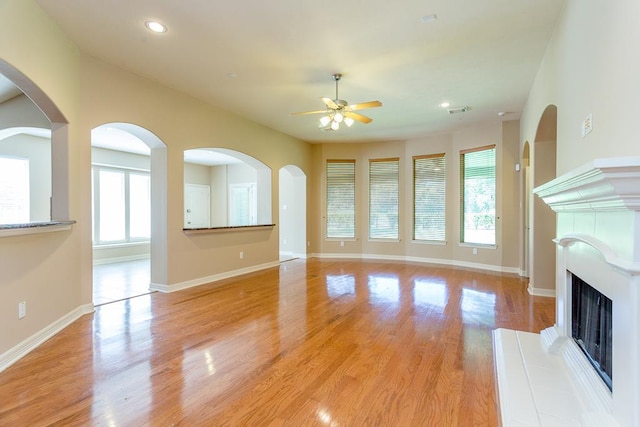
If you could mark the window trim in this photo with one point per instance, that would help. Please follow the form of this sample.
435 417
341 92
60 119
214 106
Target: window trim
95 171
461 242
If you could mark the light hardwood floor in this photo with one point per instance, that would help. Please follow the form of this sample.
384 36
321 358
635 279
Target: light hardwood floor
311 343
120 280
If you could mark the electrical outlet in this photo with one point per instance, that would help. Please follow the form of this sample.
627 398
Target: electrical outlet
22 309
241 255
475 251
341 243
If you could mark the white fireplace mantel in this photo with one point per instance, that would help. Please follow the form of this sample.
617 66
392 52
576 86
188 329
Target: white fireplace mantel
603 184
546 379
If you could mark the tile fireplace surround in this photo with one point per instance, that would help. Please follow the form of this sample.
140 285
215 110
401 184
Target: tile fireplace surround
545 379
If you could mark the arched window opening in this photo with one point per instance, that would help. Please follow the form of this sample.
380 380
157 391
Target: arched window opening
225 188
25 158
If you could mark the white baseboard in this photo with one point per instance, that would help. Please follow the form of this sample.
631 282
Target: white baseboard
209 279
422 260
101 261
16 353
551 293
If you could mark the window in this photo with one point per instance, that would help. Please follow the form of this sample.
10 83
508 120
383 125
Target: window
429 196
122 205
383 199
341 199
14 191
478 195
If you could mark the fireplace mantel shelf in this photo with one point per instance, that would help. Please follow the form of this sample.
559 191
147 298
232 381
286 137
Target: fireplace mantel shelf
603 184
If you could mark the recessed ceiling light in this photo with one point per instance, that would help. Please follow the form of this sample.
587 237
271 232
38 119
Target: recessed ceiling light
156 26
445 104
428 18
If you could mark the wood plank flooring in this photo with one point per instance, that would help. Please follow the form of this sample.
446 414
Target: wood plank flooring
121 280
311 343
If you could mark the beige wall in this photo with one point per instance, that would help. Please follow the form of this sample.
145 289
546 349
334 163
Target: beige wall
504 257
117 96
197 174
590 66
512 236
52 271
42 269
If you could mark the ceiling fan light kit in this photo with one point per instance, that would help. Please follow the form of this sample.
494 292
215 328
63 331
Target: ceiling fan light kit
339 111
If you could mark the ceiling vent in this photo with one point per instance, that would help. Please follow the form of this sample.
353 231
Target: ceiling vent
458 110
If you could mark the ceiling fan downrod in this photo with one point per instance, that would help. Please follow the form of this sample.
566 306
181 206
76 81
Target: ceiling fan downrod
336 78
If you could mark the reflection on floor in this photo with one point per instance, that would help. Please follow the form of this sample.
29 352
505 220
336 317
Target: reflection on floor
120 280
287 256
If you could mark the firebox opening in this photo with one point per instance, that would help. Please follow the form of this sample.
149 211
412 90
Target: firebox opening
591 326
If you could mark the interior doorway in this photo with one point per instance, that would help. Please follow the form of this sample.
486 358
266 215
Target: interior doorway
292 213
128 211
541 218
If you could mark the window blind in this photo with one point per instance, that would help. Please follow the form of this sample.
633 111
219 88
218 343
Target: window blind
383 198
341 198
429 197
478 195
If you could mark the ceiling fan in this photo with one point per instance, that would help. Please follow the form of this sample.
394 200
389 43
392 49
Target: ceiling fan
339 111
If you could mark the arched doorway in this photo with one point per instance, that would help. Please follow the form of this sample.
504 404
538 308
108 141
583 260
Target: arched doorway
542 219
132 160
292 213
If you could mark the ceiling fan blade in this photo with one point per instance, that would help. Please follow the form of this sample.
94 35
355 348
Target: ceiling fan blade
309 112
330 103
363 105
358 117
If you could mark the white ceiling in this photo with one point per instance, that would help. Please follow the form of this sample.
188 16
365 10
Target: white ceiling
265 59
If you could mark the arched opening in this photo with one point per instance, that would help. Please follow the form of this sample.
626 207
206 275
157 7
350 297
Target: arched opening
292 221
35 131
542 259
129 188
225 188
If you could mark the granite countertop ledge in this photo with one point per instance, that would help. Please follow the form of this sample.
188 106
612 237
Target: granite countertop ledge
35 227
226 228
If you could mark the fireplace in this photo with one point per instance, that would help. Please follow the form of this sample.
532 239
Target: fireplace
591 328
571 373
